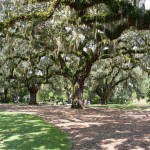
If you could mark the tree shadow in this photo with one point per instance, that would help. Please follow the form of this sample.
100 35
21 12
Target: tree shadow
22 132
100 129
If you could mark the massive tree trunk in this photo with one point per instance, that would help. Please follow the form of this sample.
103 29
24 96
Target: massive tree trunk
33 89
77 98
77 104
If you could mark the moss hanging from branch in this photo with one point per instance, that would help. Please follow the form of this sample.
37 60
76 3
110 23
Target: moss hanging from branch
42 15
34 1
118 10
114 31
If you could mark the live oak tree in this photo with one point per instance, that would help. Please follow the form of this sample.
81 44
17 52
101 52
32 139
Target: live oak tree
116 84
106 75
29 66
5 71
136 87
77 59
78 72
31 62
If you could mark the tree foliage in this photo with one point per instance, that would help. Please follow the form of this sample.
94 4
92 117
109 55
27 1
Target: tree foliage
42 39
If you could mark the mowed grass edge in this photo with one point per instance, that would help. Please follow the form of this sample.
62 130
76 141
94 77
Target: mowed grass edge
29 132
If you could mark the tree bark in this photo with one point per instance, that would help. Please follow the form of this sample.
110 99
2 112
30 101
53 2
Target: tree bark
33 93
77 104
69 94
5 100
103 101
77 98
105 98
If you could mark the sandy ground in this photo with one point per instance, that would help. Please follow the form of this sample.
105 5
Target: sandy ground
96 129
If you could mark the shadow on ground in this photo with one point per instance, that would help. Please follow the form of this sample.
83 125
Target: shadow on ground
23 131
96 129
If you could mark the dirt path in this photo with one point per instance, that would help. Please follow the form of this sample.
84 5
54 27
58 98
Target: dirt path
96 129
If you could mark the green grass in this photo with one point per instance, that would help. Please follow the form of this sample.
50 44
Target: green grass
121 106
29 132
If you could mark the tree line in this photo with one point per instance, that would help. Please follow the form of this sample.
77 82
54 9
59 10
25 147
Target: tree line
68 40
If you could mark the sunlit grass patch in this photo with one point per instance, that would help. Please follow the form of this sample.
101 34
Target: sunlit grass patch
26 132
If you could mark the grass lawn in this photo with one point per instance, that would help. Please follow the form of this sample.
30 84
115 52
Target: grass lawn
29 132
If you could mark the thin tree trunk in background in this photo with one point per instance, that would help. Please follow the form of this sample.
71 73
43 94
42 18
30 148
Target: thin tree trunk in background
103 101
6 100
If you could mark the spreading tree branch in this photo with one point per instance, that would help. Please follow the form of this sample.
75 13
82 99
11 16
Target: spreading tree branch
42 15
